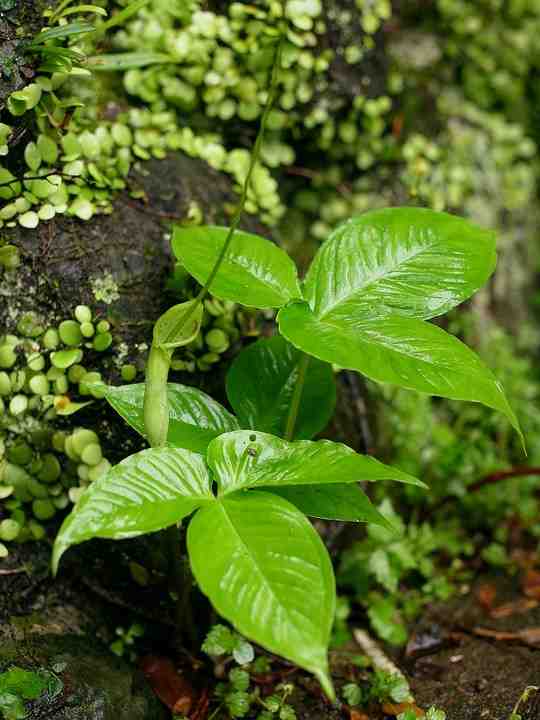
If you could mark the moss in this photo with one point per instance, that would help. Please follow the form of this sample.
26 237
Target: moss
105 289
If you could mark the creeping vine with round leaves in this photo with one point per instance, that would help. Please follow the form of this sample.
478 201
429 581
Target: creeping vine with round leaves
364 305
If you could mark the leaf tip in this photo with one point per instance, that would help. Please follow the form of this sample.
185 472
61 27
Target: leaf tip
407 479
389 525
512 417
58 550
522 441
323 676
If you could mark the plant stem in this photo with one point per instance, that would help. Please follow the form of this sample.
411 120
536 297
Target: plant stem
297 396
156 404
155 407
529 690
253 161
182 582
156 418
245 188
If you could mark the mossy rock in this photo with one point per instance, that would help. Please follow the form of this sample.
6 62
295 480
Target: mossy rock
19 20
62 257
95 684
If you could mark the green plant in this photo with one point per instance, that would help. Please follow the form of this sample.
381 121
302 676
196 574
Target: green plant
525 695
363 305
383 687
395 576
239 694
18 685
238 697
124 644
221 641
45 373
433 713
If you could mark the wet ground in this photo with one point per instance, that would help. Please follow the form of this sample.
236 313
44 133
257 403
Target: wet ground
473 656
480 652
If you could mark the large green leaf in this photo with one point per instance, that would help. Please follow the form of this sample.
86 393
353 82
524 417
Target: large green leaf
146 492
194 417
266 570
261 383
400 261
333 502
255 272
399 350
246 458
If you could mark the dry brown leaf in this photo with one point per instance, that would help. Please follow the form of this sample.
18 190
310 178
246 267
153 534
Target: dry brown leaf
356 715
529 636
531 584
172 689
486 595
397 708
516 607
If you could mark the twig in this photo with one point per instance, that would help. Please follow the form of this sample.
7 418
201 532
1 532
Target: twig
503 475
378 657
62 175
490 479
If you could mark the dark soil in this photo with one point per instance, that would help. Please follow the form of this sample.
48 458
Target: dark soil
20 20
469 676
447 663
61 257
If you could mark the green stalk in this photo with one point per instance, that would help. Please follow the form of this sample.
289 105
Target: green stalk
154 395
155 408
253 161
297 396
156 404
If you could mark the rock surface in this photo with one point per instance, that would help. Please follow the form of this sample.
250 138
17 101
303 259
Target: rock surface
95 684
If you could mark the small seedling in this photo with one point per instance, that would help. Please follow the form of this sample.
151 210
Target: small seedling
124 644
18 686
221 641
526 694
383 687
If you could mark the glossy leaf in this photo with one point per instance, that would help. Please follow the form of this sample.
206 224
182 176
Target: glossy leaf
266 570
255 272
246 458
179 325
261 383
400 261
403 351
146 492
333 502
194 417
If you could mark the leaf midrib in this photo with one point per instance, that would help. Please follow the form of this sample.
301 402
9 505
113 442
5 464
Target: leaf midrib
363 288
253 562
280 290
386 348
